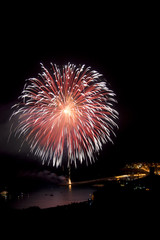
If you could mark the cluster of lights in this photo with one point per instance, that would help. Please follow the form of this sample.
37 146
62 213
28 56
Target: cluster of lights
143 167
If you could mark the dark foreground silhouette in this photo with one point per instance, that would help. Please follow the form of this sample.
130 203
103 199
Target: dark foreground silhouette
123 210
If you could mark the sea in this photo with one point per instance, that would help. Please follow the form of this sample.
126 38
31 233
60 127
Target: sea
48 196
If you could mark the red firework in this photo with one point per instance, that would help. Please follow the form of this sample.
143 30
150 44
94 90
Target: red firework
70 108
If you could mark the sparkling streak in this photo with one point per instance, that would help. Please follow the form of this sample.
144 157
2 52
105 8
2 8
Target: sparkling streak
69 107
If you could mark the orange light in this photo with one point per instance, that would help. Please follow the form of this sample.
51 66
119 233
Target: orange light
69 181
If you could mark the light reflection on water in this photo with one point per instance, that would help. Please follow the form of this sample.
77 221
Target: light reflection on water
52 197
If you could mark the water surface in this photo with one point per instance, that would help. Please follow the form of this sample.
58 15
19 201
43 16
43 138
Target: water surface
52 196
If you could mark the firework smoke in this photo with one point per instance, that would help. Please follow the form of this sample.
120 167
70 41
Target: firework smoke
66 110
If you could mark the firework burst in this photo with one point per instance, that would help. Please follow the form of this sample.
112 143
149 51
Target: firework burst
66 110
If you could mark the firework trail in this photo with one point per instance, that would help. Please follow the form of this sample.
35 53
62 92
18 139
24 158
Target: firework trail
68 109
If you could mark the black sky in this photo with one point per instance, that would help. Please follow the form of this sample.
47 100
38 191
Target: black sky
121 42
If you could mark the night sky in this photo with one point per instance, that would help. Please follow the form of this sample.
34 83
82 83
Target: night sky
121 43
